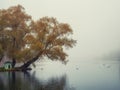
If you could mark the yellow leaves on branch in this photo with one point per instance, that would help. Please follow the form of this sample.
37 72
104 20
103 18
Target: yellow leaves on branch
27 37
1 50
38 46
23 55
49 36
14 17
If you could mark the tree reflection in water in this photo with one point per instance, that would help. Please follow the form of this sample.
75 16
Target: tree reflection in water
26 81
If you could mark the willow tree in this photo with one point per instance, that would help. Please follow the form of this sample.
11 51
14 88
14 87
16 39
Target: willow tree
24 40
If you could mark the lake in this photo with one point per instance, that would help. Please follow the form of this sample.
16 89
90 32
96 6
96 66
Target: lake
78 75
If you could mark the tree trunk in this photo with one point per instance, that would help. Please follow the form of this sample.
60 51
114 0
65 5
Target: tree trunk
27 64
1 58
13 62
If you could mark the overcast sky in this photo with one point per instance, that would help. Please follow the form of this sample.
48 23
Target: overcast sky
95 23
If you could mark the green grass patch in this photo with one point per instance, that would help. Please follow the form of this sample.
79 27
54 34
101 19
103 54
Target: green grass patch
2 68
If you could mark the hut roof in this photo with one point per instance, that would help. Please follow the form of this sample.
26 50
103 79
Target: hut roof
8 62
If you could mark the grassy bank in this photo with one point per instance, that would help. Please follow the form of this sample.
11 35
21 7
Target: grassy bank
2 69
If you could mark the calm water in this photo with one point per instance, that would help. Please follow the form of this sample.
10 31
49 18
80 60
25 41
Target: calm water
104 75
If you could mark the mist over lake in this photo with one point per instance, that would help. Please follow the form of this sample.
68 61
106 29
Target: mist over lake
103 75
93 64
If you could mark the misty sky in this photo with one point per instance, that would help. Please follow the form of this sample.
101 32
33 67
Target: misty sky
95 23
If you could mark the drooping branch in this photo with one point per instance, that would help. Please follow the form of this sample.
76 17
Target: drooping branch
31 61
1 57
27 64
26 38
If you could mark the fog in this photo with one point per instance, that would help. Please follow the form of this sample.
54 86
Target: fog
95 23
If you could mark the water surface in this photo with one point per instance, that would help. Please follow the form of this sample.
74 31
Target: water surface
103 75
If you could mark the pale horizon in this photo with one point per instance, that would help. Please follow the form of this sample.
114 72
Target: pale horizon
95 23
